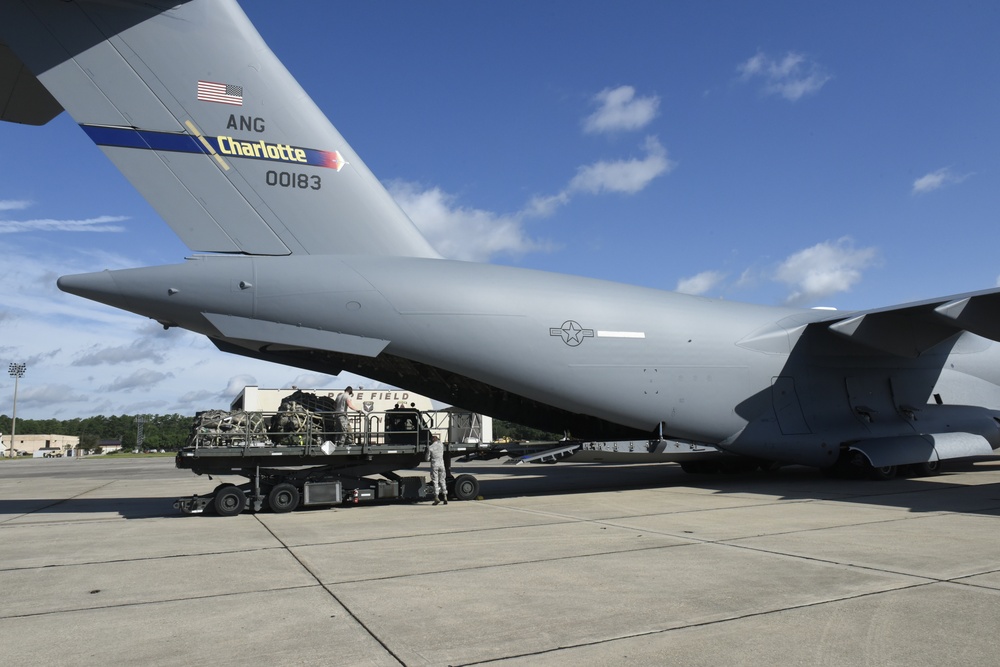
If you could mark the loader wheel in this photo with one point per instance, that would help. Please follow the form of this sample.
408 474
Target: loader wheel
230 501
283 498
466 487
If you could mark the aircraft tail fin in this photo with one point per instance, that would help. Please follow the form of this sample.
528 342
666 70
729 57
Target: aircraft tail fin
192 106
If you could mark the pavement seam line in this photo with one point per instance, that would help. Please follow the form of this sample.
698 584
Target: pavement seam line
732 543
140 559
739 617
122 605
726 540
333 595
490 566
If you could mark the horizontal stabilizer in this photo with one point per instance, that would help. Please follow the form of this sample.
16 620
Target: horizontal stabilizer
911 329
275 333
23 99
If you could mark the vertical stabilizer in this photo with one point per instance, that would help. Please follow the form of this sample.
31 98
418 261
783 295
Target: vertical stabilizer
193 107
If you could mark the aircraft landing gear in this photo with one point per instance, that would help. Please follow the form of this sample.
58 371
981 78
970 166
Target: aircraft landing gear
882 473
927 469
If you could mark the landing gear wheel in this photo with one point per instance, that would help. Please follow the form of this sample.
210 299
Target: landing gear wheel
927 469
700 467
230 501
466 487
883 473
283 498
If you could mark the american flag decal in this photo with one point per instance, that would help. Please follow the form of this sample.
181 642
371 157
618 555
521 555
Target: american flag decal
223 93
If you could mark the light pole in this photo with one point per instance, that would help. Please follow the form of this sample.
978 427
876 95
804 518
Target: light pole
16 372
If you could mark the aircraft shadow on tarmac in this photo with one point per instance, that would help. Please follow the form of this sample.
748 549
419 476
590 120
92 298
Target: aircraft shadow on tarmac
48 509
931 494
927 494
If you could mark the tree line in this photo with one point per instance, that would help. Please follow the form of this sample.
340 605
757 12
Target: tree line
170 432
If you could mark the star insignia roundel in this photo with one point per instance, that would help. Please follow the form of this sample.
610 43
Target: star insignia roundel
571 333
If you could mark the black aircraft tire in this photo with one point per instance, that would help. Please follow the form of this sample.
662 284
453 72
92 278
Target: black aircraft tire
701 467
466 487
283 498
883 473
230 501
927 469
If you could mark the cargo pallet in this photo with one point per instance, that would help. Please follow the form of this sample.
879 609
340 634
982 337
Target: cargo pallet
303 459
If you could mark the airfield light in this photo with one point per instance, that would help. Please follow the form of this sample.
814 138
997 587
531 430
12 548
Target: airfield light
16 372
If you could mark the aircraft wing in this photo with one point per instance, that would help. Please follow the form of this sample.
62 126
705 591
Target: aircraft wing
911 329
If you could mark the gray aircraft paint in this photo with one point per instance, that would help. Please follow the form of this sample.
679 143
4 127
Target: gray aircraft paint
319 268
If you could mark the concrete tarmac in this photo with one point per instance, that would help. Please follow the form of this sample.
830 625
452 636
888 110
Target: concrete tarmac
567 564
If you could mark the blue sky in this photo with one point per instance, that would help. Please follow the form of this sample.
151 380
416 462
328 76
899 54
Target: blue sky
841 154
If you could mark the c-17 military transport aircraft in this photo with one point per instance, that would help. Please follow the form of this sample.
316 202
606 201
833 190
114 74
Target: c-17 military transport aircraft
305 260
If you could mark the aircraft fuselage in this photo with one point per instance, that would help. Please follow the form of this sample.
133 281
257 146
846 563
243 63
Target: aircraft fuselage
738 376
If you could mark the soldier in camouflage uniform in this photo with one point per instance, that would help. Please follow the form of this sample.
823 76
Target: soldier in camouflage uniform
435 454
342 403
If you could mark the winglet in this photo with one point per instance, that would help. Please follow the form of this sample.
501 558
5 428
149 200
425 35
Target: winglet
978 314
911 329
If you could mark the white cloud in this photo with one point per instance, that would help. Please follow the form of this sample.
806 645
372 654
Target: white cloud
542 206
14 204
620 109
472 234
750 278
701 283
623 176
458 232
141 378
197 399
40 358
618 176
937 179
98 224
824 269
237 383
47 394
140 349
791 77
312 381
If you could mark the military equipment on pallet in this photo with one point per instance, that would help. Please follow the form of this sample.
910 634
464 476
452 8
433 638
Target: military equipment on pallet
300 456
